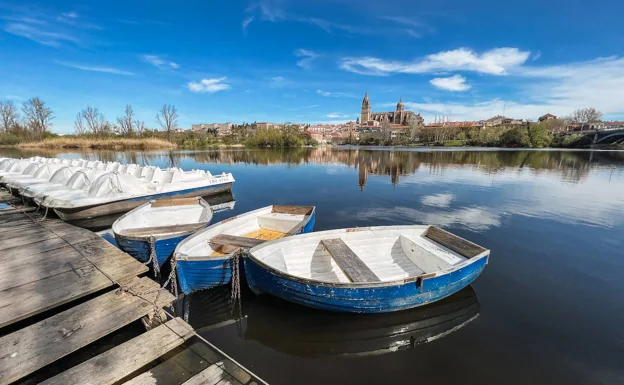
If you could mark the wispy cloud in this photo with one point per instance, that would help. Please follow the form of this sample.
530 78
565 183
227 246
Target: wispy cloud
409 21
160 62
498 61
306 57
272 11
331 94
209 85
39 34
453 83
90 68
246 23
337 115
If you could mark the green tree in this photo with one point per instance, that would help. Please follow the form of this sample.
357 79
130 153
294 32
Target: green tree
538 135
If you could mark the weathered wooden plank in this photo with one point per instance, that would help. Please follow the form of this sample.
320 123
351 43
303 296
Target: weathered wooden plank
350 264
24 295
453 242
118 362
233 240
26 239
178 368
144 231
186 364
212 375
294 210
46 245
38 345
175 202
16 273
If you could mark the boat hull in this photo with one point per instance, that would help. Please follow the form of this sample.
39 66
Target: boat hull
71 214
361 298
195 275
141 249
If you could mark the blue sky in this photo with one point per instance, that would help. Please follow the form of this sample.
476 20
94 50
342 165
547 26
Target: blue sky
312 60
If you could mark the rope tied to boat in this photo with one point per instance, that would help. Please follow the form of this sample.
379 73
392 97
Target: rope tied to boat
173 279
44 215
235 299
152 258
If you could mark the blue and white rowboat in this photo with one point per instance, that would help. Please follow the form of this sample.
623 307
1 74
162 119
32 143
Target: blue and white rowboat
365 270
204 260
159 226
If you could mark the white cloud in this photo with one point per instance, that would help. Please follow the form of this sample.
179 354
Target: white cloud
159 62
334 115
306 56
556 89
278 79
208 85
330 94
437 200
109 70
496 61
246 22
70 15
453 83
40 34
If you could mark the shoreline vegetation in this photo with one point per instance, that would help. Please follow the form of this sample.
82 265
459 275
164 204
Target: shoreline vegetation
99 143
33 129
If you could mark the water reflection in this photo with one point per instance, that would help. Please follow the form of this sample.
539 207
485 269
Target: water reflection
305 332
395 163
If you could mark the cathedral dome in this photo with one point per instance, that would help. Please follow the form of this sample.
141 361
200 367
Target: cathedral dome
400 105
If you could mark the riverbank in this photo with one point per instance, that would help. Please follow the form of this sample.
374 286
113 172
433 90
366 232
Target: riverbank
100 143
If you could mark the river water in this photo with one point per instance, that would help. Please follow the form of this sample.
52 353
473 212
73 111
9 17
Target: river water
548 309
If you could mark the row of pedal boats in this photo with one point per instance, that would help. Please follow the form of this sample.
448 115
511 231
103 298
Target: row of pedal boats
360 270
78 189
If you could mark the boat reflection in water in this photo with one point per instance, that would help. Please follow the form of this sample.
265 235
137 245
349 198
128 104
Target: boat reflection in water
300 331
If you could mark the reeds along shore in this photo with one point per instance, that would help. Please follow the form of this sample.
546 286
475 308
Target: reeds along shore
100 143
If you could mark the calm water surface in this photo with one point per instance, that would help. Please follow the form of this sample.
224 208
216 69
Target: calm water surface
548 309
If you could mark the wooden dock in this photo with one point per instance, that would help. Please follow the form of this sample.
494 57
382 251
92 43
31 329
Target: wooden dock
63 288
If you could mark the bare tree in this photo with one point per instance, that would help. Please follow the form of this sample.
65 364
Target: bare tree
37 116
80 125
586 116
139 126
168 119
9 116
126 123
91 120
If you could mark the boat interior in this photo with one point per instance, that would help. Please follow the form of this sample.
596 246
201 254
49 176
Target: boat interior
382 254
180 215
249 230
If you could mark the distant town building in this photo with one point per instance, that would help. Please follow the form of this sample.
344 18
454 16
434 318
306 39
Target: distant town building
222 129
265 125
397 117
500 120
546 117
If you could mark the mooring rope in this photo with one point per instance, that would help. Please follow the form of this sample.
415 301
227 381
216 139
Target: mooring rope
44 216
235 298
153 258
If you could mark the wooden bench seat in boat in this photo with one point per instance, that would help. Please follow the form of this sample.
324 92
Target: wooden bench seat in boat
154 230
351 265
453 242
233 240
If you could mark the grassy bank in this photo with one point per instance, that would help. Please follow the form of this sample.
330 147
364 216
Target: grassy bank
100 143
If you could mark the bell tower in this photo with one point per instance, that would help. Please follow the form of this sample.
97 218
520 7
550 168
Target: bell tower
399 114
366 110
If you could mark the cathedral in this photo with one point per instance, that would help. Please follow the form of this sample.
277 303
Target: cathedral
398 117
